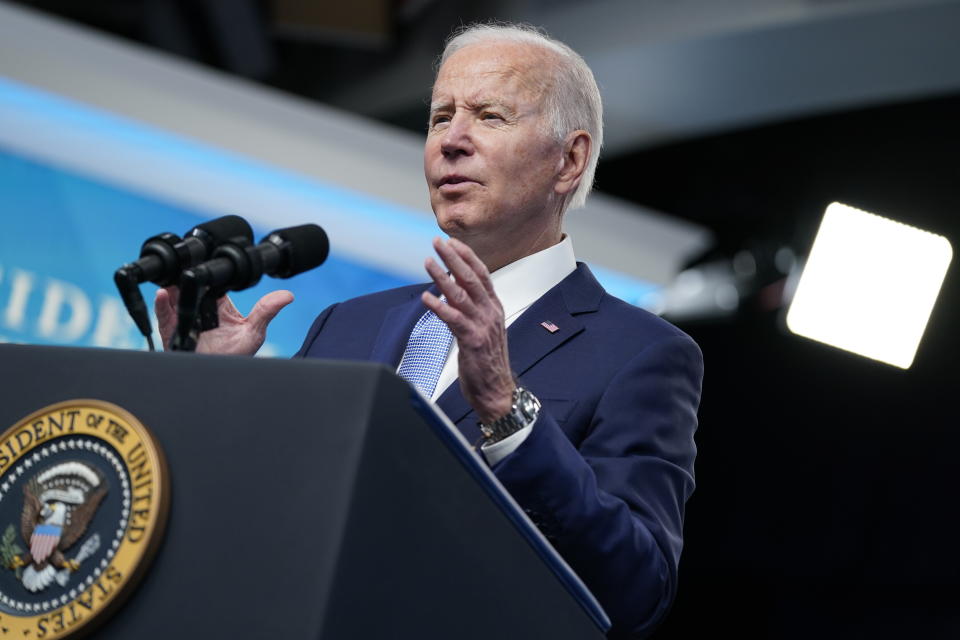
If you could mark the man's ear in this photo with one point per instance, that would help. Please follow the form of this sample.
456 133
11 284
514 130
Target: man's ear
576 152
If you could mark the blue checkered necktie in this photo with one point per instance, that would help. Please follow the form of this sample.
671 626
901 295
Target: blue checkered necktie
426 353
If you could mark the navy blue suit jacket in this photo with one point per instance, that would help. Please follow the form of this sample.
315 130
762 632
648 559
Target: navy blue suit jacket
608 466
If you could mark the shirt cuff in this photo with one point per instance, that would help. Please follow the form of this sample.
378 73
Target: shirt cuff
497 451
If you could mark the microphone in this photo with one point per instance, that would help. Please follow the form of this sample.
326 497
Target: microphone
283 253
163 257
236 266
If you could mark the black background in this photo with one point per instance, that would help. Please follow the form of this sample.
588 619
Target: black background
826 482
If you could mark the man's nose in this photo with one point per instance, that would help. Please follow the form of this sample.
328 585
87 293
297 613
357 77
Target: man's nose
457 139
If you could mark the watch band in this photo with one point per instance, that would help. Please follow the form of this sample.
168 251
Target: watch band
523 412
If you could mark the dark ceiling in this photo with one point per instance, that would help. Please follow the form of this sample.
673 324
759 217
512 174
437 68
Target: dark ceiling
775 181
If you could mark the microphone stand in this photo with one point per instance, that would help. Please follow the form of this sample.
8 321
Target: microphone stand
196 311
236 265
203 285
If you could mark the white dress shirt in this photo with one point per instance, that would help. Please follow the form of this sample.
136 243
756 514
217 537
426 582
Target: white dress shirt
518 285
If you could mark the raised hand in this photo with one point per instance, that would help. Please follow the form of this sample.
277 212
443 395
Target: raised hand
236 335
475 317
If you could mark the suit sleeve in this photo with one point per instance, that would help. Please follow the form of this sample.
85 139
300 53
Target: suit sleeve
613 507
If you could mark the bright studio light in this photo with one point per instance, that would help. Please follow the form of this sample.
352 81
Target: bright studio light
869 285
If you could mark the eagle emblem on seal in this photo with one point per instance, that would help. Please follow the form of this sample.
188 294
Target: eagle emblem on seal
58 505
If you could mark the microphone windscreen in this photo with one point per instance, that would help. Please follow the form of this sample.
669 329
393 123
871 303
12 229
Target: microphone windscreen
220 230
304 248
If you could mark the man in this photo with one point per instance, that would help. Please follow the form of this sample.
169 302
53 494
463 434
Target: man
585 405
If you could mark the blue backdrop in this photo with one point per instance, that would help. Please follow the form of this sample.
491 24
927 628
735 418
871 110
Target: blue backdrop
63 235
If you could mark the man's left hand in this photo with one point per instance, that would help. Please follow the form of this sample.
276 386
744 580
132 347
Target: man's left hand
475 317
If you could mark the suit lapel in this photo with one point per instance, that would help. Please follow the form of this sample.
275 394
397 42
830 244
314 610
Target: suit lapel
529 341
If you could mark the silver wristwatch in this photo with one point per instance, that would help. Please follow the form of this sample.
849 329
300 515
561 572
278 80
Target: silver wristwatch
523 413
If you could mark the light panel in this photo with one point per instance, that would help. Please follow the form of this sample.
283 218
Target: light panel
869 285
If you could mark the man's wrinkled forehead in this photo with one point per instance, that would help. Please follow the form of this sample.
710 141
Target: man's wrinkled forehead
479 69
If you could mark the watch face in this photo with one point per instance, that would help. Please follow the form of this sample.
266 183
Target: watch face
529 405
522 414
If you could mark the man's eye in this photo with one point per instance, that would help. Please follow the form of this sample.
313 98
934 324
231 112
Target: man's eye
437 120
492 116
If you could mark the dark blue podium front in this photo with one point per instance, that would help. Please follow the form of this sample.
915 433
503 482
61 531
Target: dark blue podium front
312 499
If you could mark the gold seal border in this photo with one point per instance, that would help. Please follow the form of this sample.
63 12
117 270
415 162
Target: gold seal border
157 463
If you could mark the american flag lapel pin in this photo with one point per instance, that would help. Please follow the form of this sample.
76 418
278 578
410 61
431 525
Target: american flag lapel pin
549 326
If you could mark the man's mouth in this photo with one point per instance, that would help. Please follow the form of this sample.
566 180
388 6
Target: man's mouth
454 179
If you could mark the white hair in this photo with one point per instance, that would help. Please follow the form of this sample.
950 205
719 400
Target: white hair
572 99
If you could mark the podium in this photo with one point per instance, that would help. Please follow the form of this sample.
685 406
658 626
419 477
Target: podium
312 500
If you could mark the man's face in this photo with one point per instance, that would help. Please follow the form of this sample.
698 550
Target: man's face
489 159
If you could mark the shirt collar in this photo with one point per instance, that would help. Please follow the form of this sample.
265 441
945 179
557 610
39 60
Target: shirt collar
523 282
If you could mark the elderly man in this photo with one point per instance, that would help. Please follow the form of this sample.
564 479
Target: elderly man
585 406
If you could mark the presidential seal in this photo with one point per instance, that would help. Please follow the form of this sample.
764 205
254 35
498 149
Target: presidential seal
83 503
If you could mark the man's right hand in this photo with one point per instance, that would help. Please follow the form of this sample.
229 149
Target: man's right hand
236 335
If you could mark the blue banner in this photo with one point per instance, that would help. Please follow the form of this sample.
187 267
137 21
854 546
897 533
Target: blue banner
63 235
